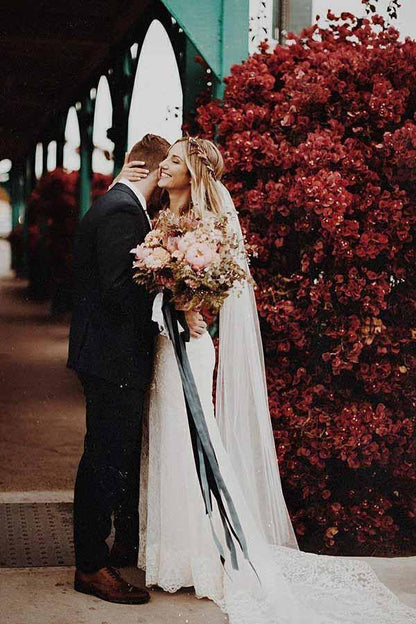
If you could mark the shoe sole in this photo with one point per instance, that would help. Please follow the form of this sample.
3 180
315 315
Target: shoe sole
97 594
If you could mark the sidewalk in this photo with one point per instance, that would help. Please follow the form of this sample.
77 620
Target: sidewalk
45 596
41 431
41 404
41 435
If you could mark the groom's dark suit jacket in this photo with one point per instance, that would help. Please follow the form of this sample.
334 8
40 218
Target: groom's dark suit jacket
112 332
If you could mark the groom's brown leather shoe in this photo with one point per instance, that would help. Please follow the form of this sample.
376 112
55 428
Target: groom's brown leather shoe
107 584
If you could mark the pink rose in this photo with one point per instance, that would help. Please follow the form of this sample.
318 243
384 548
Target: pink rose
157 259
186 241
199 256
172 243
215 258
178 255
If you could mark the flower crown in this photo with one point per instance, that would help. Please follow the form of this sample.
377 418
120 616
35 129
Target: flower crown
197 150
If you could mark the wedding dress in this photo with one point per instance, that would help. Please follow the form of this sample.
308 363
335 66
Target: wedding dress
279 584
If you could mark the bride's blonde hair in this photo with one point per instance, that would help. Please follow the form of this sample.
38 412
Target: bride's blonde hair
205 165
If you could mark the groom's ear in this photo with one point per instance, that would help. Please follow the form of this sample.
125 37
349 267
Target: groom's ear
126 158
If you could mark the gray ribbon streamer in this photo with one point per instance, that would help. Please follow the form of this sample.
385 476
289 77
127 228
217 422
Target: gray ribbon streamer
209 475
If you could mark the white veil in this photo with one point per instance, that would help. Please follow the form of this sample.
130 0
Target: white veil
242 408
290 586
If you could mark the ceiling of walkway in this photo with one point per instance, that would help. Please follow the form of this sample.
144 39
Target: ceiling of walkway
50 50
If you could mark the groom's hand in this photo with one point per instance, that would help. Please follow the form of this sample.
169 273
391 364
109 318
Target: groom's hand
196 323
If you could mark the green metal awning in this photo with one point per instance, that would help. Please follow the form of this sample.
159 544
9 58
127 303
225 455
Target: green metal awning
217 28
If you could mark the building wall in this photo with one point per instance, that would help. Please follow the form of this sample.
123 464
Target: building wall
301 13
406 22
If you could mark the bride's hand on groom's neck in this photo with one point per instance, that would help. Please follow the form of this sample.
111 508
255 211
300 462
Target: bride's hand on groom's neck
133 171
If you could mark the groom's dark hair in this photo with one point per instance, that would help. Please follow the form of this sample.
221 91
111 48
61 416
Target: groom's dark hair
152 149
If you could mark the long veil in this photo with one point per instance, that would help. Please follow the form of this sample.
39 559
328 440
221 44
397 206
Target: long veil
290 586
242 408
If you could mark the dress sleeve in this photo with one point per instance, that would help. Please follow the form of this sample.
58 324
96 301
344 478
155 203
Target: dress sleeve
157 314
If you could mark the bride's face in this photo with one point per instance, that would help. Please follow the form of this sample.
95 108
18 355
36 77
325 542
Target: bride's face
173 172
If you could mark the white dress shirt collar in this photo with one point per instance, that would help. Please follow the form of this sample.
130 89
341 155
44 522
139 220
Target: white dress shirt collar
136 191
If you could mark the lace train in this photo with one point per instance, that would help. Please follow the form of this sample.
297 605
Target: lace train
176 544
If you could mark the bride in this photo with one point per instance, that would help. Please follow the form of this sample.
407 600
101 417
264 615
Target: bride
276 583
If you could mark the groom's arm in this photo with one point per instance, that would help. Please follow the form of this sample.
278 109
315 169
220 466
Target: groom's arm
118 233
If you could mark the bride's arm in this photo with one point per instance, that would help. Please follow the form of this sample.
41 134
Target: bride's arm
194 319
196 323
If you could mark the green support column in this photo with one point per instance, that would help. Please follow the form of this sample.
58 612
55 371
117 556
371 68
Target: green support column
60 152
15 194
56 132
29 182
120 81
194 80
30 177
218 30
233 42
17 201
85 116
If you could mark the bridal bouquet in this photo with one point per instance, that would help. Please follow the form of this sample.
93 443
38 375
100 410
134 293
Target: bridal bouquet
196 259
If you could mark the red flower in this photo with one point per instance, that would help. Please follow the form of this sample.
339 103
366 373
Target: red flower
319 140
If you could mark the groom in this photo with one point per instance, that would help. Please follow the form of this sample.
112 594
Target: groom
110 348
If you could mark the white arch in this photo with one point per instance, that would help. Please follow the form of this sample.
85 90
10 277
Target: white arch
5 219
51 156
72 160
156 104
103 120
39 160
5 166
133 50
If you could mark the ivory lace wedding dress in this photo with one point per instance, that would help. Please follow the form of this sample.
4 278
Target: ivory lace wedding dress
280 584
177 548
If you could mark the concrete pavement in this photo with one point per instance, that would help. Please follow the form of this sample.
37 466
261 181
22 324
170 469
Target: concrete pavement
41 430
41 404
45 596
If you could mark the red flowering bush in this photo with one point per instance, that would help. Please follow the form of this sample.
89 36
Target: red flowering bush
319 140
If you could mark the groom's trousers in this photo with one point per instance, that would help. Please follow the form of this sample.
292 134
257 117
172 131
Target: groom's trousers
108 475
